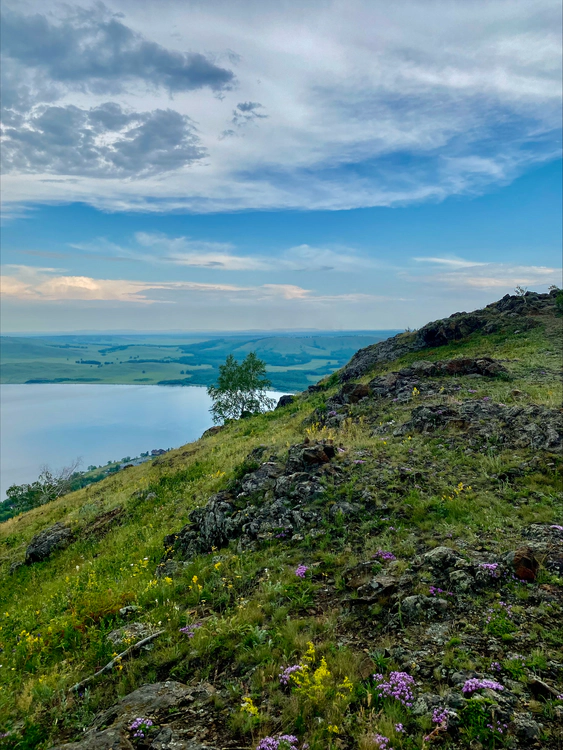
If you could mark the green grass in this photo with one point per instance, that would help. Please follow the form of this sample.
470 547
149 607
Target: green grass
257 616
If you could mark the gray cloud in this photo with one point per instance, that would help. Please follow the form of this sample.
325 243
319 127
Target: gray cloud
95 50
105 141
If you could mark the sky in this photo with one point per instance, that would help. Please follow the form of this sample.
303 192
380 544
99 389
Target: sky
350 164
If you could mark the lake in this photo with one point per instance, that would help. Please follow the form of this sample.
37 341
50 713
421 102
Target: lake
54 424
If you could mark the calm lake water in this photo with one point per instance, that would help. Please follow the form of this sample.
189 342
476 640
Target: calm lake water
54 424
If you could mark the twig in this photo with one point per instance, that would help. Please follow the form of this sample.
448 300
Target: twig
110 665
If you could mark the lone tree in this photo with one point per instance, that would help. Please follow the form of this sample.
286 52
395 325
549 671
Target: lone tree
240 389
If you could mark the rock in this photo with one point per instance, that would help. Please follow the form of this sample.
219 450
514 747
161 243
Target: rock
441 558
129 610
530 426
272 501
525 728
525 564
541 689
419 606
213 430
129 634
169 569
262 479
163 703
47 541
285 401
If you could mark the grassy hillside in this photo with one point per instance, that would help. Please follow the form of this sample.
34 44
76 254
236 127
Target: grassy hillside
423 544
293 362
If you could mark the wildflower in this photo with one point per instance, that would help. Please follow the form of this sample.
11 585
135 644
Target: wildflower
382 742
474 684
248 706
280 742
300 571
496 666
398 686
556 527
285 674
440 716
217 565
399 728
167 580
491 568
333 728
359 461
189 629
140 726
383 555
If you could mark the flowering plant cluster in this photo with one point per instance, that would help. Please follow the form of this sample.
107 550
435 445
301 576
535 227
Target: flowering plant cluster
398 686
248 706
435 590
139 726
491 568
475 683
382 742
313 684
383 555
301 570
285 674
281 742
440 716
189 629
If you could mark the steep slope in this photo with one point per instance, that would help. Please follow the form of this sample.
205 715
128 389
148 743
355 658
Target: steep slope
375 565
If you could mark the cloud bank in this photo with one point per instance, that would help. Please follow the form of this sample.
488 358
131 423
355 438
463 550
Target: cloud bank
226 107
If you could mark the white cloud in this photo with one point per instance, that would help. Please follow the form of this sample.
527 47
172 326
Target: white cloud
455 262
468 92
488 277
34 284
222 256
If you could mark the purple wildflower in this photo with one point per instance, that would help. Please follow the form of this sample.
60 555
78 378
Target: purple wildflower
341 450
383 555
440 716
359 461
139 726
470 390
556 527
332 413
399 728
300 571
398 686
189 629
286 673
496 666
475 683
280 742
491 569
382 742
486 398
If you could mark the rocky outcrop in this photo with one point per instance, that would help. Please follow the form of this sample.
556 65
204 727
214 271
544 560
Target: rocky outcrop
277 500
47 541
181 718
285 401
489 320
530 426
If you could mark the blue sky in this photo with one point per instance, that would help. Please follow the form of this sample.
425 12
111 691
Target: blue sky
344 165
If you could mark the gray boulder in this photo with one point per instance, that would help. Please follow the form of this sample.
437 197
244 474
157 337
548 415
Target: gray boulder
47 541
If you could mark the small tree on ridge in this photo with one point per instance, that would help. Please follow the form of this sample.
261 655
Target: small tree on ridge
240 390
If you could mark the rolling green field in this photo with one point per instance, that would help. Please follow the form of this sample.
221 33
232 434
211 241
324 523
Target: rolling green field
293 361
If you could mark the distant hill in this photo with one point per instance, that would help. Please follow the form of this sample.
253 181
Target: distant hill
294 361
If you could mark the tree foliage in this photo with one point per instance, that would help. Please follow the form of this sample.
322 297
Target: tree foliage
48 486
240 390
